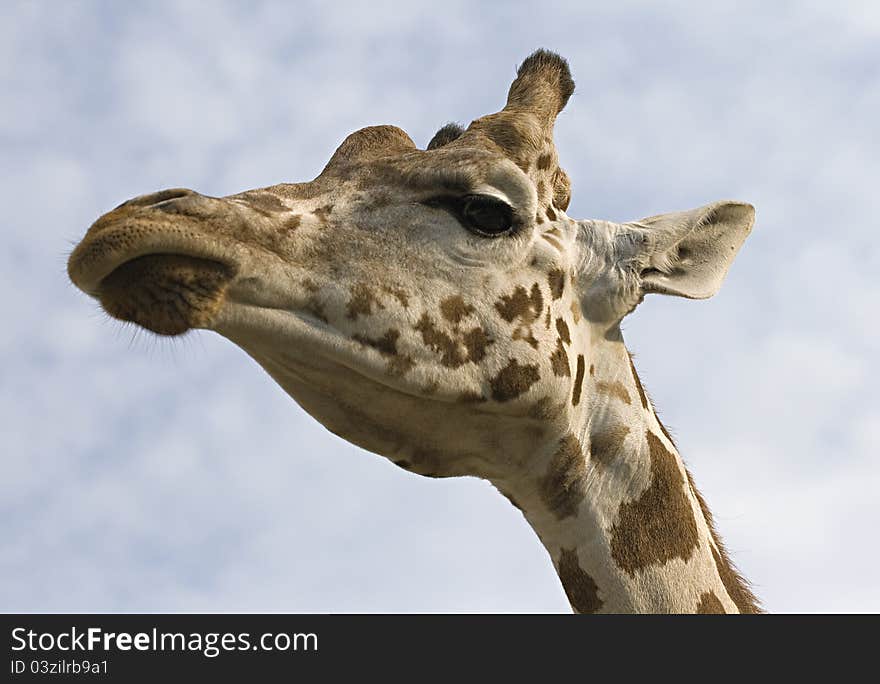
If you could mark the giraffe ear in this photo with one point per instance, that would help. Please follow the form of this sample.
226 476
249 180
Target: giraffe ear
688 253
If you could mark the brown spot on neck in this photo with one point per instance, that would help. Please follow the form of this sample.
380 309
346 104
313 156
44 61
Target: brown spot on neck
559 360
562 329
607 444
580 588
710 604
660 524
563 486
614 389
578 381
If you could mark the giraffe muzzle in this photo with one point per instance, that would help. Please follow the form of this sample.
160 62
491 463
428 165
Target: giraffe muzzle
148 261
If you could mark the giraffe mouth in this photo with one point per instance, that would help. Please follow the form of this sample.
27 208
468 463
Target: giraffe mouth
166 276
167 294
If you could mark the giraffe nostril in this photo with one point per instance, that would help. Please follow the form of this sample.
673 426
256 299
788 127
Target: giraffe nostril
156 197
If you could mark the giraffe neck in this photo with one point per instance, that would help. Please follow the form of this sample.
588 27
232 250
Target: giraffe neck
612 502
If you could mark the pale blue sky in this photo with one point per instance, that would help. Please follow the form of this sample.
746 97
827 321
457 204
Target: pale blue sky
141 474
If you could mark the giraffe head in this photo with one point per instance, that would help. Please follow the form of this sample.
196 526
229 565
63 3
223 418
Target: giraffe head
435 306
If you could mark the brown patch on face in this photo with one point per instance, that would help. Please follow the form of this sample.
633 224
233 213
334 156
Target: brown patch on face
710 604
592 370
524 307
578 381
605 445
551 214
580 588
562 329
642 395
263 202
466 347
615 389
547 319
513 380
476 341
521 304
539 219
544 161
660 524
323 212
563 486
398 294
385 345
576 311
556 279
454 309
290 225
362 301
559 360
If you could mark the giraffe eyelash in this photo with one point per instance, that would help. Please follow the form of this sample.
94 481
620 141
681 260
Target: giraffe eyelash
484 215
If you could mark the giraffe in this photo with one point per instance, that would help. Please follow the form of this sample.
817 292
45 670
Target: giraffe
439 308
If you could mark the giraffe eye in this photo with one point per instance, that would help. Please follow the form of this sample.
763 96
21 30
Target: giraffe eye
486 215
